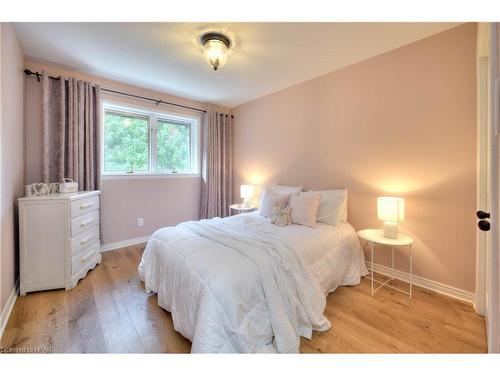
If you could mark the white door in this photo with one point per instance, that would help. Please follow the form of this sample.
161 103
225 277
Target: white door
486 302
493 286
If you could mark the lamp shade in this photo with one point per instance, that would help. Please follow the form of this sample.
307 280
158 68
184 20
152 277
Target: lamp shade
391 209
246 191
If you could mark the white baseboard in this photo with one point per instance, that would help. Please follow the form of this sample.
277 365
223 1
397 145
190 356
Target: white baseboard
120 244
435 286
4 316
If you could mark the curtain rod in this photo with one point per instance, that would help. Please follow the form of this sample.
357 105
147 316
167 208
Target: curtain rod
156 101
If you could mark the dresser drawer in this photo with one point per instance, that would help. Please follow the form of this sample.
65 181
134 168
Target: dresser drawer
84 240
81 260
81 223
82 206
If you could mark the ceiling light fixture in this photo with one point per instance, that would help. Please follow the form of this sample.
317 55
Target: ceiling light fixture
215 46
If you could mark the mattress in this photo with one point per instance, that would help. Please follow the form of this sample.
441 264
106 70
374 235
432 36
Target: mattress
242 284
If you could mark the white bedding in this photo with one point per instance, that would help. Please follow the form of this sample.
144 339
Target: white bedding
242 284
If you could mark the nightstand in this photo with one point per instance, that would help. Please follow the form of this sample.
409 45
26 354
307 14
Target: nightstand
375 237
241 208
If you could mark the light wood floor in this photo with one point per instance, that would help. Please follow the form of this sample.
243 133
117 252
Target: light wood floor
109 311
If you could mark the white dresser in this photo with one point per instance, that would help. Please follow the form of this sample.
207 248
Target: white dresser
59 239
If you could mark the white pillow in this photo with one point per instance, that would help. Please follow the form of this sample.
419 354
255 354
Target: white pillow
332 206
283 189
304 208
269 200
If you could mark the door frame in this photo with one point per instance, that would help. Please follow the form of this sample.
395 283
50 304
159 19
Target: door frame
487 266
482 70
1 212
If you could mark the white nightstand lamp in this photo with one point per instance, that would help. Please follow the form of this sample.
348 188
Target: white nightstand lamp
391 210
246 192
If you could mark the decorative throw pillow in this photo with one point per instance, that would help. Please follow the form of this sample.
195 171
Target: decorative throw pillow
304 208
287 189
281 215
332 206
270 199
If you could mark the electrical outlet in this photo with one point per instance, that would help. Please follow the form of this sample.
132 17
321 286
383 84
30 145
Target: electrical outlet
140 222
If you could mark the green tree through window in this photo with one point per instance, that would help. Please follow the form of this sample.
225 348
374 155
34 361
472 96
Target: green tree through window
174 147
125 142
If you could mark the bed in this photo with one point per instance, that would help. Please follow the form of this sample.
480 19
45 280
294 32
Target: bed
241 284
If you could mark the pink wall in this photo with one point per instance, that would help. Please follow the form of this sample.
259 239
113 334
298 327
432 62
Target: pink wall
12 156
401 123
160 201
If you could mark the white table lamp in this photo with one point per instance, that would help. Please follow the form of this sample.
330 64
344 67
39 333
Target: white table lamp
391 210
246 192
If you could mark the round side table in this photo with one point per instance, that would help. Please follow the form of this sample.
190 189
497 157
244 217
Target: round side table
375 237
241 208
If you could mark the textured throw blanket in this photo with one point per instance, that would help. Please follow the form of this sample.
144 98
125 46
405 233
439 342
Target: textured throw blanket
293 297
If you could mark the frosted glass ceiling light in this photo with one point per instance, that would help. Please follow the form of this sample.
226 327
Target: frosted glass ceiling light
216 47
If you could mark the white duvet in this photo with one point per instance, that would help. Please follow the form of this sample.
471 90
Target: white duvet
241 284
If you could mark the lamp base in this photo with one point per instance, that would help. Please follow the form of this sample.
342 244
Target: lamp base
247 202
390 230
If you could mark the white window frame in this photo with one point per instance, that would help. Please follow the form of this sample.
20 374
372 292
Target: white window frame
154 115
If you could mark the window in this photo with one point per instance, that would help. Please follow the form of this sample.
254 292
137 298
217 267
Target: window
173 146
144 142
125 142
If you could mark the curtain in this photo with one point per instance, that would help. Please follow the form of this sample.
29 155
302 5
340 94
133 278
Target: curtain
71 144
216 189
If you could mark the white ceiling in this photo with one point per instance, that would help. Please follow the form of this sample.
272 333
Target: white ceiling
167 56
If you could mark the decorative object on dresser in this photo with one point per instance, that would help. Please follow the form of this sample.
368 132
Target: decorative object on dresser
68 186
40 188
59 239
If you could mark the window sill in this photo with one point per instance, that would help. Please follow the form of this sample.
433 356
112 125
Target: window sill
135 176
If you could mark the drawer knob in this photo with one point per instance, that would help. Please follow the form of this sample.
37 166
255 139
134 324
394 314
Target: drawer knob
83 242
85 223
83 206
